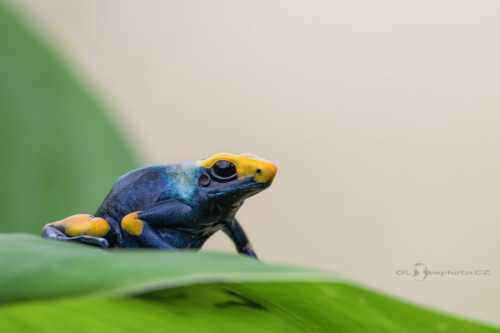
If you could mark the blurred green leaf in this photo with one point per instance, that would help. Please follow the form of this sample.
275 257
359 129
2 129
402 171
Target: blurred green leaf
60 152
49 286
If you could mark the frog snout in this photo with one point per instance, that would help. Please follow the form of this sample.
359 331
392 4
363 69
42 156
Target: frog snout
263 170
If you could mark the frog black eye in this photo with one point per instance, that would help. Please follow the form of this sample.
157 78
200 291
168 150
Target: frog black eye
224 169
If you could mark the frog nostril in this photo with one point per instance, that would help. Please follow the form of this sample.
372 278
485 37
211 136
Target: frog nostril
259 171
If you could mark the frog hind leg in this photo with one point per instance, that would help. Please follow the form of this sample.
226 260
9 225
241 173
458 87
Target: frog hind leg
80 228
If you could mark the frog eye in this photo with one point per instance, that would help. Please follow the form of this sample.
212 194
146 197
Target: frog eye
224 169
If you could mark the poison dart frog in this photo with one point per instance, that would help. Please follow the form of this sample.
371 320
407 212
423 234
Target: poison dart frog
172 206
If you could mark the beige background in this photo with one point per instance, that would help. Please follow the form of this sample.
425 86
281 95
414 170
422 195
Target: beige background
382 116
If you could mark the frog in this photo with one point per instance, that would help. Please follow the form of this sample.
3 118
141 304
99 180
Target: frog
172 206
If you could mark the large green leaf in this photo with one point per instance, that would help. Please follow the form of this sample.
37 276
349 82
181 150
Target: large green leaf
32 268
49 286
60 152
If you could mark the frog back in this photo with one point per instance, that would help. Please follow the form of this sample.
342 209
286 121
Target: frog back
135 191
142 188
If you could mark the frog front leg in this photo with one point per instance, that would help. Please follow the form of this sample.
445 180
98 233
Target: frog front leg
82 228
234 230
141 225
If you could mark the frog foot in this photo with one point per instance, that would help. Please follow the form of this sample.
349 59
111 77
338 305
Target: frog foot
81 228
98 241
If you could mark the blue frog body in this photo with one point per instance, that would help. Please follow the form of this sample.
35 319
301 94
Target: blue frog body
172 206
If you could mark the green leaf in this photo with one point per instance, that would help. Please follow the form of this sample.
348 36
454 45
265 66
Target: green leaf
60 152
49 286
35 269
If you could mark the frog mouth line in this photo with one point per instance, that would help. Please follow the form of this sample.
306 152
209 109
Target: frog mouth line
240 188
